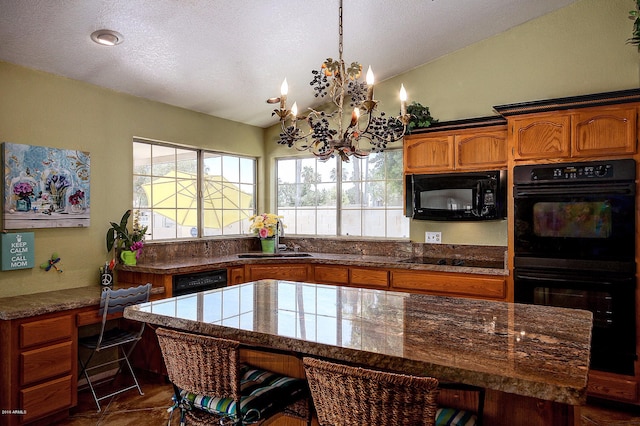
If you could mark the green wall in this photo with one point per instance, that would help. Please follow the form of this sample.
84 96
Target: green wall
577 50
41 109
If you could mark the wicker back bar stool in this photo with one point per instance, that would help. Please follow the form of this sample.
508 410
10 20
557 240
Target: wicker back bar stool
212 386
352 396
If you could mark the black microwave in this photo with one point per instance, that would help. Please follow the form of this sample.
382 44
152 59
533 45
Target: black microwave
465 196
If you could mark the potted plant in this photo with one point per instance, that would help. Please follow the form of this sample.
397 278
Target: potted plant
420 116
635 16
265 225
129 243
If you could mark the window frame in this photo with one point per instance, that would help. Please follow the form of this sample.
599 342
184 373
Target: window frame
340 208
201 155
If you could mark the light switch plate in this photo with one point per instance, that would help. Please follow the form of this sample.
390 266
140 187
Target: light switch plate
433 237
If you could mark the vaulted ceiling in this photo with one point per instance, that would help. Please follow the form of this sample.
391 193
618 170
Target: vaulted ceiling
225 58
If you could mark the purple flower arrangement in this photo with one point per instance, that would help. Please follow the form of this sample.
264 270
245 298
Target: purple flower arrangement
23 189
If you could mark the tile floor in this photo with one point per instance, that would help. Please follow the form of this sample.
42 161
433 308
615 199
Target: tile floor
132 409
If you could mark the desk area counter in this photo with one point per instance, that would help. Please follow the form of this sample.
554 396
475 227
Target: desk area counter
532 351
30 305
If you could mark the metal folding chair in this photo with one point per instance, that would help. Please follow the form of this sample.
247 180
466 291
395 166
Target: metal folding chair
124 340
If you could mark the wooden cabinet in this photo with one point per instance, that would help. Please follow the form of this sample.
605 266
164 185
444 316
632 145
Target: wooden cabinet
541 136
450 150
612 386
355 276
38 360
286 271
589 132
235 275
450 284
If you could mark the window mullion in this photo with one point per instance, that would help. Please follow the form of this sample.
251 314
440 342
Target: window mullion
339 198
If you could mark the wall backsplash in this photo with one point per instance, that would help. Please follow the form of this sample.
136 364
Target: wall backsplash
170 251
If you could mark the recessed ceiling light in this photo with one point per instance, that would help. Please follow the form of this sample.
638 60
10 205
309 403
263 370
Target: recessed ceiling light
107 37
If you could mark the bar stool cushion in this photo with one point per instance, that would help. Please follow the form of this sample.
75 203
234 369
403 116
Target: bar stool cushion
262 394
455 417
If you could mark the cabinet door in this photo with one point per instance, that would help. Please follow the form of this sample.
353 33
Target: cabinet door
369 278
484 150
277 272
236 275
423 154
331 274
604 131
450 284
541 136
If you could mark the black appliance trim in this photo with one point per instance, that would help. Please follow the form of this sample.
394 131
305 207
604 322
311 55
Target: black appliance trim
199 281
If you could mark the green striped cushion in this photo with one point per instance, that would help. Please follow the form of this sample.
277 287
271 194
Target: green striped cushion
454 417
263 393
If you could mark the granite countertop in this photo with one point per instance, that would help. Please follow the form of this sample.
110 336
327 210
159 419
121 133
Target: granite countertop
200 264
530 350
28 305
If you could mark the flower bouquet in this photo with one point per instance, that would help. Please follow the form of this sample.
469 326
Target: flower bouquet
265 225
120 236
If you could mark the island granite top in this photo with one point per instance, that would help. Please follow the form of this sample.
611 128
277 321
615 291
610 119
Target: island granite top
530 350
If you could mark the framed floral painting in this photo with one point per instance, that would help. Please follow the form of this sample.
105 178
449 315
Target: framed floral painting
45 187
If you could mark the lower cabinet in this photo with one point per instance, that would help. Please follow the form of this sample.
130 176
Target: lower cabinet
450 284
38 360
275 271
613 386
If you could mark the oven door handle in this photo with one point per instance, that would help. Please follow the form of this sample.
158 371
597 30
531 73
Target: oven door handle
611 189
571 280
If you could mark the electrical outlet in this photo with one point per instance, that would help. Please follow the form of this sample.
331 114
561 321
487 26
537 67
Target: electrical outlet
433 237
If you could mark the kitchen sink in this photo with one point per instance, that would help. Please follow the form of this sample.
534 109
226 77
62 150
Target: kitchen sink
271 255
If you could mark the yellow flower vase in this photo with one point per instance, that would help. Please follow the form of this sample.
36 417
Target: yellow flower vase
268 245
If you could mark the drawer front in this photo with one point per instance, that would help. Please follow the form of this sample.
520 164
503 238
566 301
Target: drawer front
369 278
44 363
45 331
331 274
46 398
451 284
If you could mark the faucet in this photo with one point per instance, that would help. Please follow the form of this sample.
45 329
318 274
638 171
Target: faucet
279 233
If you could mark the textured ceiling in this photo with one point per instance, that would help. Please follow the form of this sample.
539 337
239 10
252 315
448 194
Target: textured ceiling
225 58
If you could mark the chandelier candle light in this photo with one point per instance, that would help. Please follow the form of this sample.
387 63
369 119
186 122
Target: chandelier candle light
337 81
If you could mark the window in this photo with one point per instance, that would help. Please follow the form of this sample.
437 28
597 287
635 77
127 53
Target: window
166 183
370 202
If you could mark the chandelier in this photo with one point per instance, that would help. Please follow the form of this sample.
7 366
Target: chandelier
338 81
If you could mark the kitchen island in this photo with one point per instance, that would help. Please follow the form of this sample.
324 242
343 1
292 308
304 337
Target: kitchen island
527 351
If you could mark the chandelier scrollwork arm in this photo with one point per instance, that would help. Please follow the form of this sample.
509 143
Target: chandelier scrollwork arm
336 81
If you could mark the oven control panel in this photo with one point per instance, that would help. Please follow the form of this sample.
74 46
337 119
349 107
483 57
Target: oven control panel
592 171
573 172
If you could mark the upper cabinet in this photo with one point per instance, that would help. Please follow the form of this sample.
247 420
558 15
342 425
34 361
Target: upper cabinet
585 126
479 144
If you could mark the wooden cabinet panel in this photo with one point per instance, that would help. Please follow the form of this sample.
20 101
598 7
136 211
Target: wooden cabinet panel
41 400
604 131
610 386
363 277
423 154
452 284
47 362
277 272
235 275
46 330
331 274
481 150
541 136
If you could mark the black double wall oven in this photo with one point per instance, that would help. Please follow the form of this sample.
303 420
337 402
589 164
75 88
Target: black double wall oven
574 244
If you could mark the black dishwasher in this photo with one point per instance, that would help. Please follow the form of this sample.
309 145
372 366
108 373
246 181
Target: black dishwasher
200 281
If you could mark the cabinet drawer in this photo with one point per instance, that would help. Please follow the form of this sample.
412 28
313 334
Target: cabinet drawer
331 274
47 398
369 278
44 331
43 363
611 387
450 284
